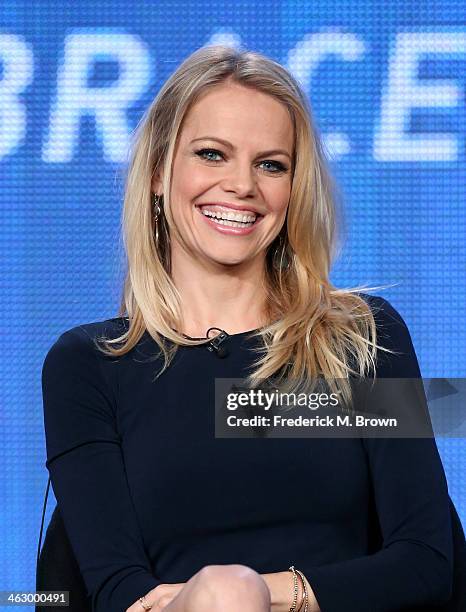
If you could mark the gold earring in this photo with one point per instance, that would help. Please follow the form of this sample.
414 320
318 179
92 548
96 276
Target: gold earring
157 213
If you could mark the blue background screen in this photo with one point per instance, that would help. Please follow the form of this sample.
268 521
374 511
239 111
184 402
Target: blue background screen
386 82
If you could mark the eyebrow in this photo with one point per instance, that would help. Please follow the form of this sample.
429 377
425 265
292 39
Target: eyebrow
228 144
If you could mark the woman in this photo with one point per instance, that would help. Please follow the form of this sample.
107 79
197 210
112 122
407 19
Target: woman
229 222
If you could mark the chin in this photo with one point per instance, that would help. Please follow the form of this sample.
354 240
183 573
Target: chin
226 261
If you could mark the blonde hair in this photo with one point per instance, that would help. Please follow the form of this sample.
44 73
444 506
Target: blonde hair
314 329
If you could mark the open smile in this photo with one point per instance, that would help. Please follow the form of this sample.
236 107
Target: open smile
231 222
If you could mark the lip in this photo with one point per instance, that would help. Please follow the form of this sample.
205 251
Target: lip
229 206
226 229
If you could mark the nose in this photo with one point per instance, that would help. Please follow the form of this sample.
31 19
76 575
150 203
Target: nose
240 179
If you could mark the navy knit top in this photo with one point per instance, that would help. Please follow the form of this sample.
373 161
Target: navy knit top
148 495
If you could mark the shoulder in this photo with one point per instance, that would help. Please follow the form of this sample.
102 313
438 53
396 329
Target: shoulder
387 318
78 393
393 334
80 335
383 310
80 341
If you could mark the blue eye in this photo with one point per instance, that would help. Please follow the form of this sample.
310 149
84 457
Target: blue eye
281 167
203 152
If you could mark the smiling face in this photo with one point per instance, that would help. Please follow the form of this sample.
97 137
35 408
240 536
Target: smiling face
232 166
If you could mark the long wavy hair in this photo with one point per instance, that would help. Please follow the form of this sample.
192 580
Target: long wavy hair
314 329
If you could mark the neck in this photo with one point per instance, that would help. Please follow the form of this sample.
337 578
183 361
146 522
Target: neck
229 297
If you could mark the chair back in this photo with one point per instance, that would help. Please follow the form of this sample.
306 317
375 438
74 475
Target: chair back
58 569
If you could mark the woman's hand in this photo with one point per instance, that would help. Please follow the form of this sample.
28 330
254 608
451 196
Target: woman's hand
159 597
163 594
280 585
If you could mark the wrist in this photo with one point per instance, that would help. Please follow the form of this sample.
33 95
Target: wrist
281 590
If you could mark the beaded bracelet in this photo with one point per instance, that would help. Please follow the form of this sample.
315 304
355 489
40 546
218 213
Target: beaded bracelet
305 596
295 589
305 599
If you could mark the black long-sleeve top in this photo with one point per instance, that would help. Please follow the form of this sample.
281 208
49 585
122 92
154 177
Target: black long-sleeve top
148 495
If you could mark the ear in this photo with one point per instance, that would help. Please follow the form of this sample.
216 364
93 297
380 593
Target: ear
157 185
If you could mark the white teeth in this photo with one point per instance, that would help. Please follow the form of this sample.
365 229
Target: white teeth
230 216
232 223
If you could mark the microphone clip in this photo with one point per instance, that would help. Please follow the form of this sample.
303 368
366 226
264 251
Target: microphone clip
215 345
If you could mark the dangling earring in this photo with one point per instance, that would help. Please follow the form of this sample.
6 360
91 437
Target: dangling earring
157 213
